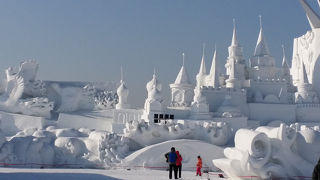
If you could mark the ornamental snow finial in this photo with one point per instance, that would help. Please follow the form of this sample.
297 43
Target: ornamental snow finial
182 59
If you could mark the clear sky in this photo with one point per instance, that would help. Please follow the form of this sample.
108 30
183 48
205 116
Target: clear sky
88 40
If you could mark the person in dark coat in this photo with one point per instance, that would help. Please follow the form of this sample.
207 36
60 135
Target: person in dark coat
179 163
172 158
316 172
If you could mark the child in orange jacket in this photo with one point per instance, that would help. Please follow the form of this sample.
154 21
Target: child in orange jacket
199 166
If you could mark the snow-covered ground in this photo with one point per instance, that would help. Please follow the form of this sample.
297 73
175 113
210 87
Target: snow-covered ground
90 174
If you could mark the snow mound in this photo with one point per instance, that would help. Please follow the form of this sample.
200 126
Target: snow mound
153 156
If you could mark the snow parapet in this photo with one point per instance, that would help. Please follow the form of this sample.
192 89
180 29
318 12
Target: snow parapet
267 152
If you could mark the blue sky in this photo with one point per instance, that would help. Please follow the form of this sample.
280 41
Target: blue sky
88 40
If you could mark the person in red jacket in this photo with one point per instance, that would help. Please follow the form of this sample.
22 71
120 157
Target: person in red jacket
179 163
199 166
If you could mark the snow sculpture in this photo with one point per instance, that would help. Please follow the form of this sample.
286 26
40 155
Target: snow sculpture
283 152
28 71
305 49
217 133
64 146
123 93
153 103
181 89
11 101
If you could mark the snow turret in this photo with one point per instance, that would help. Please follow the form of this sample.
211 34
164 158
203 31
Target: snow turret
123 93
181 89
154 83
232 81
213 78
202 71
262 52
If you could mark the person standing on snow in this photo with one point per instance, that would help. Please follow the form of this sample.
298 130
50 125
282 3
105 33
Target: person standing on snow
172 158
199 166
179 163
316 172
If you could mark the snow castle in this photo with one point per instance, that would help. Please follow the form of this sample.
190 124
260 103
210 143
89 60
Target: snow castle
253 92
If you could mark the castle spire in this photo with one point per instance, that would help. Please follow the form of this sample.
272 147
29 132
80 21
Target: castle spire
213 70
284 59
121 74
182 77
234 41
261 47
313 18
202 70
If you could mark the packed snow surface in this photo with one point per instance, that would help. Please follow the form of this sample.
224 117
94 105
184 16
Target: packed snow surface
96 174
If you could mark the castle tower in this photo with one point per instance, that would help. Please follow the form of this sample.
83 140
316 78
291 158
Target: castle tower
153 103
261 57
123 93
235 65
181 89
213 77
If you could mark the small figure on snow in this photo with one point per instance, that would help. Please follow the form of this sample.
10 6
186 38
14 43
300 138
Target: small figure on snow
316 172
179 163
199 166
172 159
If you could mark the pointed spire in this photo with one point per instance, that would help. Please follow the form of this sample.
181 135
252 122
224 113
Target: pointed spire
202 69
213 70
313 18
234 41
284 60
121 71
182 77
303 74
261 47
